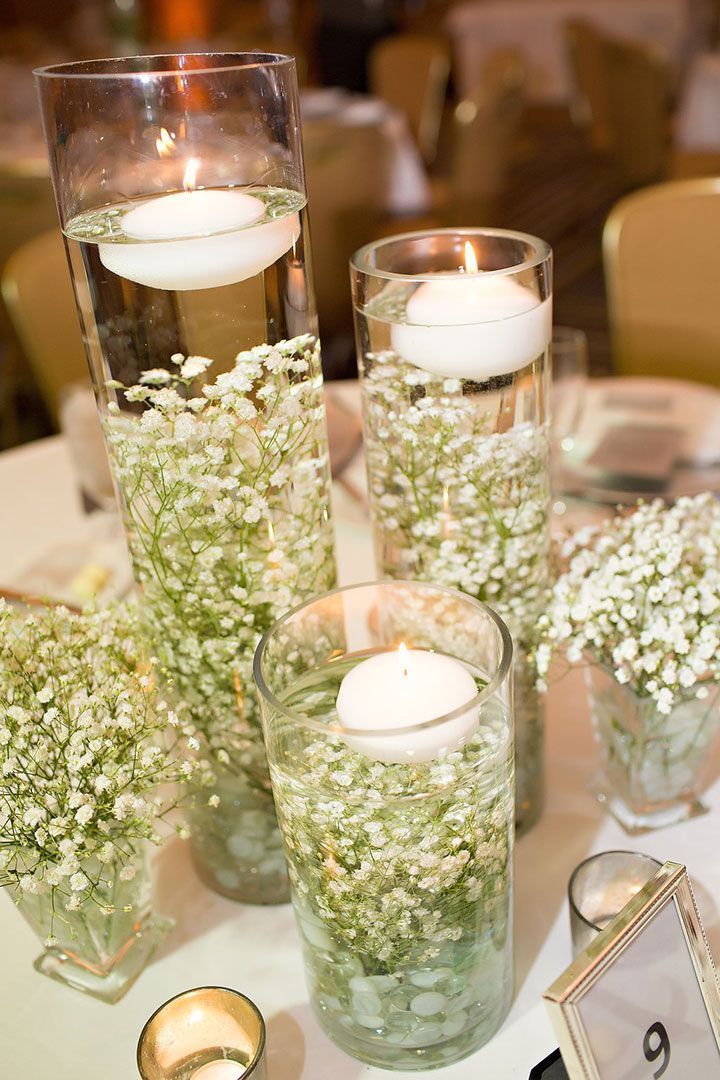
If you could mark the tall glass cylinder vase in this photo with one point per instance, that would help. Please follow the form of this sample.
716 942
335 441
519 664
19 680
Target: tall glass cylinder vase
180 187
387 711
453 329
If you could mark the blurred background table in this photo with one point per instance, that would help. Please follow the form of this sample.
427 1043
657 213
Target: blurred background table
536 27
257 950
698 121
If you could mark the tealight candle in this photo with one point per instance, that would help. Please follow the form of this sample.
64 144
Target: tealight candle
220 1070
401 689
198 239
473 325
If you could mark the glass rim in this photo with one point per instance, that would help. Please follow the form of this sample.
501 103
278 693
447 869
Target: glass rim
360 259
337 728
592 858
257 1056
216 62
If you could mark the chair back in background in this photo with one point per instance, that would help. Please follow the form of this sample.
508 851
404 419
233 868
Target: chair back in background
348 177
590 94
621 97
39 298
639 80
411 71
484 127
662 267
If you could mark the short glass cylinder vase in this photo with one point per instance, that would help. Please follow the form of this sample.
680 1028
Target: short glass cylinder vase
181 193
101 946
453 330
653 764
387 711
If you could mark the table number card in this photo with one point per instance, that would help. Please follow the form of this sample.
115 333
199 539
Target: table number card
642 1002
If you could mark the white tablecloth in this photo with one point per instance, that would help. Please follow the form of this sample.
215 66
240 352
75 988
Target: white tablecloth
47 1030
697 126
536 28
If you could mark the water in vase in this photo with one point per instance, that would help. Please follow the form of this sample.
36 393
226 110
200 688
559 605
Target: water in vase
204 350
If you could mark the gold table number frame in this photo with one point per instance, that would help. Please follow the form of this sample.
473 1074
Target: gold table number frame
593 1019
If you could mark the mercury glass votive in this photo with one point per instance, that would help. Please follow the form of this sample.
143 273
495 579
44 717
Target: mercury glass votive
599 889
453 330
210 1033
387 712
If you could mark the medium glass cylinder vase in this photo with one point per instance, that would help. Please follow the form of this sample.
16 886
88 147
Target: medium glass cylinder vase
653 764
180 187
453 329
387 712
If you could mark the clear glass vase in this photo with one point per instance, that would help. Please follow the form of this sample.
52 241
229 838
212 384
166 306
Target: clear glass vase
238 843
397 818
181 194
453 329
653 764
103 946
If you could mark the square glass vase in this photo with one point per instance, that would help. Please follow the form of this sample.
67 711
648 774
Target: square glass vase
102 947
653 764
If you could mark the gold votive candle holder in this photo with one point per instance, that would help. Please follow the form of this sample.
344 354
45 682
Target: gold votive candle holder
209 1033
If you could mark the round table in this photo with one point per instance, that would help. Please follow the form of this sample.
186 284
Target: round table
46 1028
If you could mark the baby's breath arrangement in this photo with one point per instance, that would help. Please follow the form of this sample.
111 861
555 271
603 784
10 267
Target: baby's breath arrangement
402 888
460 498
641 596
225 485
87 751
640 601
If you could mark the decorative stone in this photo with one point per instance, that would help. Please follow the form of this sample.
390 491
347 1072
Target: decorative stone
240 847
366 1003
374 983
454 1025
424 1035
227 878
428 1004
254 822
374 1022
427 979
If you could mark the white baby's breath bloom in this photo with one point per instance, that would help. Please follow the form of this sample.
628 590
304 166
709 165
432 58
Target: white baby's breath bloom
641 597
194 366
222 559
155 377
62 766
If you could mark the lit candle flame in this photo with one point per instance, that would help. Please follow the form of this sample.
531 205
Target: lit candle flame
166 143
191 171
403 658
471 263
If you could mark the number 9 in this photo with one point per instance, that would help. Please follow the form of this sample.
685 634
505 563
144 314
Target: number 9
663 1047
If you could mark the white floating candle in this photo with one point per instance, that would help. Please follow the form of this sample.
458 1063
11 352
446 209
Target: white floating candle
401 689
220 1070
198 239
473 325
